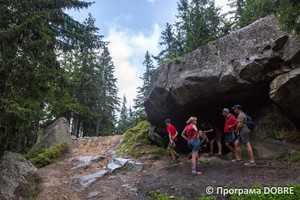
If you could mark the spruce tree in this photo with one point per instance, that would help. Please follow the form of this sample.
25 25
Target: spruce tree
146 78
123 123
31 35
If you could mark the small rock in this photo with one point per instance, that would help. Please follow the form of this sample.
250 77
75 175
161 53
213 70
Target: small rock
112 177
92 194
116 163
126 186
73 137
84 161
135 166
80 183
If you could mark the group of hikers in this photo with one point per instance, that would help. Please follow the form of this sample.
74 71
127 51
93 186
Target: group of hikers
235 129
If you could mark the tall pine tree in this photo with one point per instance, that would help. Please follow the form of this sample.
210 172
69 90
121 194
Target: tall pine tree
123 123
146 78
31 34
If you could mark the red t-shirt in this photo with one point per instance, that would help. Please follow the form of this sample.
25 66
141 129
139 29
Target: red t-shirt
230 121
190 132
171 129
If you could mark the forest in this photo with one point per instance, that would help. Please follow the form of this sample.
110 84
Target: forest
53 66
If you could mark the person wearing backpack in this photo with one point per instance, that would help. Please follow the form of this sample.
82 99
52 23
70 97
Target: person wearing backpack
229 129
243 133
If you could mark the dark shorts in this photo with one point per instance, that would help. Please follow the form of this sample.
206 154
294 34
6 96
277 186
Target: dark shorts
215 135
170 146
194 144
244 135
211 136
230 137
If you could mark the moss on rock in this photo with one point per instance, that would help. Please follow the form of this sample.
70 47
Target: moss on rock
41 157
135 142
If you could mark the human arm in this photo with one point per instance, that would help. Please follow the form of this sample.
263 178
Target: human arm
196 131
238 128
240 121
170 138
183 134
175 135
209 130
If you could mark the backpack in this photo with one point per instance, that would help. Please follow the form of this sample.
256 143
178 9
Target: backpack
250 123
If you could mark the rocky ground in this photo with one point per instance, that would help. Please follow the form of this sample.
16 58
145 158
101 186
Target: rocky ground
157 174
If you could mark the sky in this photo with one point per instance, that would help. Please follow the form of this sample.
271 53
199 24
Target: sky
132 27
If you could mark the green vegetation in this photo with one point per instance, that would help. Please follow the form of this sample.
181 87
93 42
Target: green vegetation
52 66
41 157
290 157
159 196
201 22
135 142
269 195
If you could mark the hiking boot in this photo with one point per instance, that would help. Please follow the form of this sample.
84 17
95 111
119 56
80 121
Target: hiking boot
236 160
196 173
220 154
176 157
210 154
173 162
250 164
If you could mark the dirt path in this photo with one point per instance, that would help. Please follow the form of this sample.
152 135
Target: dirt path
178 181
157 174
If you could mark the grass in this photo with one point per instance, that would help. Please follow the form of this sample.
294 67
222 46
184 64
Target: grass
290 157
159 196
135 142
41 157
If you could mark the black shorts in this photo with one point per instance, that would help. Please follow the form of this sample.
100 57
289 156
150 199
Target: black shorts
230 137
244 135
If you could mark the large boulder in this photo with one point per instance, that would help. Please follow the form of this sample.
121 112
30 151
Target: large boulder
285 91
236 69
56 133
13 172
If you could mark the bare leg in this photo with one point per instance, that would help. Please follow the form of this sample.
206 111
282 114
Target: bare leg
212 146
193 160
250 152
172 154
228 145
238 152
219 146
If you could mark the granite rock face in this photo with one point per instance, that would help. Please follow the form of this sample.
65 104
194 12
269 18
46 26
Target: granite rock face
56 133
285 91
255 66
13 171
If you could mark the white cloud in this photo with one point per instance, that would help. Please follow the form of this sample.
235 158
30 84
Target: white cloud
151 1
128 52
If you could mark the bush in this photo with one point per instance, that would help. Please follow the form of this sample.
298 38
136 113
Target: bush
41 157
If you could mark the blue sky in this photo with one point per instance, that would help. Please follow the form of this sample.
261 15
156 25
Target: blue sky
132 27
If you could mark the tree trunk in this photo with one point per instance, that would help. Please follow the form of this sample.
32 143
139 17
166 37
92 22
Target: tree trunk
74 124
78 128
36 131
97 126
19 142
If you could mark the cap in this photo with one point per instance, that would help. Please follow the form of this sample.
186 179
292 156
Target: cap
236 106
168 120
226 110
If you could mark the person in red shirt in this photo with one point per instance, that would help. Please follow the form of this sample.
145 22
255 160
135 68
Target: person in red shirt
229 129
172 139
191 134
